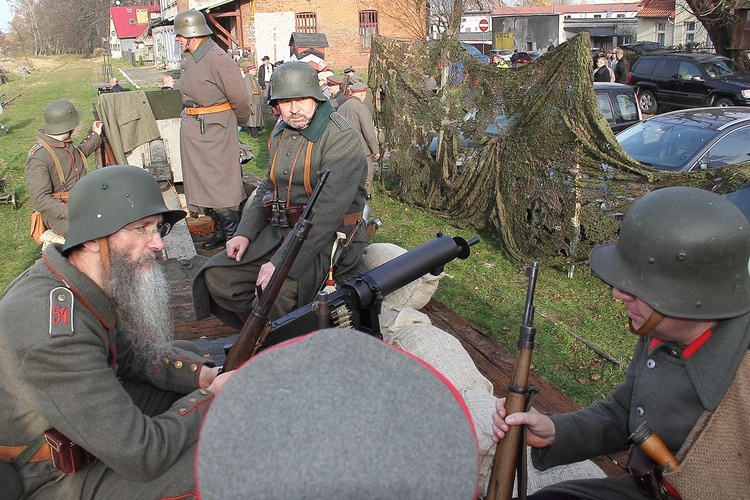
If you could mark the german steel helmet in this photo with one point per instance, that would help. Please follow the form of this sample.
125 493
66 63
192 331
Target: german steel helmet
191 23
109 198
295 79
684 251
61 116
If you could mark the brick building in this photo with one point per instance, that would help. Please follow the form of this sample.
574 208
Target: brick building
265 28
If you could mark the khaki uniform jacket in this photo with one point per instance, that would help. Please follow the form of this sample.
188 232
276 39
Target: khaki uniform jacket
42 177
62 359
667 385
337 148
360 117
211 161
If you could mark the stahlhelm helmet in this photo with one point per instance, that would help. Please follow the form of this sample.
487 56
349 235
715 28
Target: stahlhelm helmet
191 23
295 79
109 198
60 117
684 251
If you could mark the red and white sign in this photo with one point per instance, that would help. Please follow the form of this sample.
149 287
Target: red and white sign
484 25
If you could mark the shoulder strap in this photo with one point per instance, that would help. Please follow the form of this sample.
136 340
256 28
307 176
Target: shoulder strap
56 160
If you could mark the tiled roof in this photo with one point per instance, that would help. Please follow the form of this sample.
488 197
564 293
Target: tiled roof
657 8
126 21
565 9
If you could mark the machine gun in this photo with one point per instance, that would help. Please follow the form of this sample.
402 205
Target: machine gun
357 303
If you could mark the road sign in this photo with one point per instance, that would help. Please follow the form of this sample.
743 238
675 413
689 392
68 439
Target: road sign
484 25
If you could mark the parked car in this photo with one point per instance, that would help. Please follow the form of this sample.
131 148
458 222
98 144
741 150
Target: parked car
618 103
527 57
690 139
683 80
503 53
476 53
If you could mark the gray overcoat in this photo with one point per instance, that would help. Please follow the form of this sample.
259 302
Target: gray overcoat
336 147
211 161
65 363
256 98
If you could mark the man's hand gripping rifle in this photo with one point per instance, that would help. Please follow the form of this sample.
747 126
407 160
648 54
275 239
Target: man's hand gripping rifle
255 329
357 304
511 451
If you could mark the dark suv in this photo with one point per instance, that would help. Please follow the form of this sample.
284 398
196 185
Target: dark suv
688 81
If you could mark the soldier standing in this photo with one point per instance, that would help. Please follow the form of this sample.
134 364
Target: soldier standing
257 120
311 138
55 164
356 113
216 102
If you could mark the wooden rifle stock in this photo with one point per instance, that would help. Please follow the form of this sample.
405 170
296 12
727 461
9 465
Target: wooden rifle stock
256 327
507 453
106 151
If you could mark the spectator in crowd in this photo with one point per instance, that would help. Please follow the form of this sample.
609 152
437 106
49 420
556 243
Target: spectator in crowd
264 72
622 68
216 103
356 113
603 73
311 138
54 164
680 267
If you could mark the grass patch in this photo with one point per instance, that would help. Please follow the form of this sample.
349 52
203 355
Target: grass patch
486 288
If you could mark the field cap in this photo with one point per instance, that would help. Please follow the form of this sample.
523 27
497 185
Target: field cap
337 414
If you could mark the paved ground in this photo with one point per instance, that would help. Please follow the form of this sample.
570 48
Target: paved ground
142 76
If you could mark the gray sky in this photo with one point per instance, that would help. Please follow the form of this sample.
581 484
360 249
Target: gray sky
5 16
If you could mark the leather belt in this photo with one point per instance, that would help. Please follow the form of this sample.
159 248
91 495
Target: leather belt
8 453
225 106
351 219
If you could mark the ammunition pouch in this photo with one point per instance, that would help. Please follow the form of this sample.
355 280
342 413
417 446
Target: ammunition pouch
67 456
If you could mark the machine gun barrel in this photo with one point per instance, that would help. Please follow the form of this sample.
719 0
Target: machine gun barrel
357 303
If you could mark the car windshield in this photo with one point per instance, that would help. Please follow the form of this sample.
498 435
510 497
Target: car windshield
664 145
719 68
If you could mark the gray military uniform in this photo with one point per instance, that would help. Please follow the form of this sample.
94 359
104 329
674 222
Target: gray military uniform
66 364
43 180
224 286
667 385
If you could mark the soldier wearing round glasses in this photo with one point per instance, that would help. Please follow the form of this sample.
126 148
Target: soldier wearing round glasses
86 352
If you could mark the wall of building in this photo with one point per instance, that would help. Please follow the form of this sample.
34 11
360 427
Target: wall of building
531 32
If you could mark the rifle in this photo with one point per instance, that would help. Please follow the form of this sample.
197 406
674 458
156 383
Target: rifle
357 303
106 148
509 450
255 328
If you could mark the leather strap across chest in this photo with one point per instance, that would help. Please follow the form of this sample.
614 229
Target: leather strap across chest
58 166
308 168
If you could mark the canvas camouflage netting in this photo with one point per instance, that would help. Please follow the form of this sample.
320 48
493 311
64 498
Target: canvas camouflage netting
556 183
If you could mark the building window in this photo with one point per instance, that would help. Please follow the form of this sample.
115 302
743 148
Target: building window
689 32
661 33
306 22
131 22
368 26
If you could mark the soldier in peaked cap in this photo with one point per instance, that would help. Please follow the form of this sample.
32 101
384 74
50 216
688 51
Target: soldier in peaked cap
335 84
55 164
680 266
87 360
338 414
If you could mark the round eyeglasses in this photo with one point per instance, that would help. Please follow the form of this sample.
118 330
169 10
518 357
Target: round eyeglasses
162 230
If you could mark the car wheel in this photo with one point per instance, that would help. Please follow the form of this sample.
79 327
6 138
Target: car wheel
723 102
647 100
